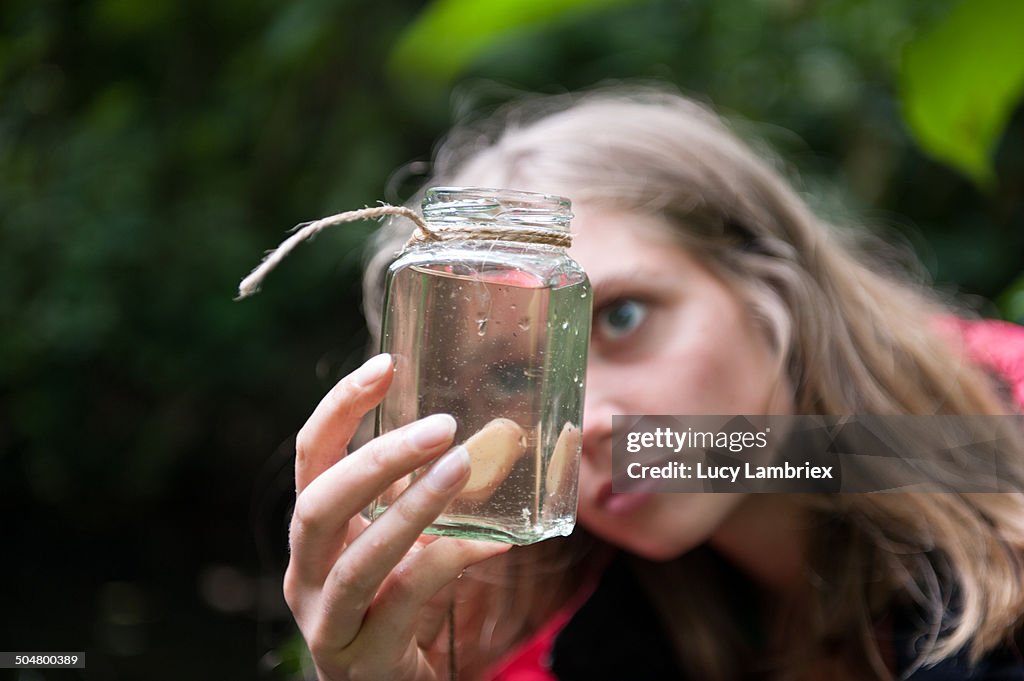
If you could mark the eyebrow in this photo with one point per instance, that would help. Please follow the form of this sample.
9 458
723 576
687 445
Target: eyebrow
617 283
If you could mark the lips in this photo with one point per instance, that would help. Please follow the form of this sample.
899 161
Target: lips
598 461
620 503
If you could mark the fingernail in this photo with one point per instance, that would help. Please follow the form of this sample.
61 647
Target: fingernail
372 371
449 469
432 431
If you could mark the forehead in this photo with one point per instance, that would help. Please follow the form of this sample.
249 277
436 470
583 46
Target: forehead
612 240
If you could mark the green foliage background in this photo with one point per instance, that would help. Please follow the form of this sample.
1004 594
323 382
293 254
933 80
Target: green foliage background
151 151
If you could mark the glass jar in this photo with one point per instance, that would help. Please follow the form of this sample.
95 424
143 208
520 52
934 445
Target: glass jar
489 321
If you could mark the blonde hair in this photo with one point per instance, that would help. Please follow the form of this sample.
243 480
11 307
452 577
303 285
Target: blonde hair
850 338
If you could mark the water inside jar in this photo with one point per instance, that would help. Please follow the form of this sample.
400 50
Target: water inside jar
503 350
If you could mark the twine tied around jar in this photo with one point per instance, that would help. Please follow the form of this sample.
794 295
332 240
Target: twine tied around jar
423 233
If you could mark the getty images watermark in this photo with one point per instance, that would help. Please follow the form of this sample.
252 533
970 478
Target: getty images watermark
730 453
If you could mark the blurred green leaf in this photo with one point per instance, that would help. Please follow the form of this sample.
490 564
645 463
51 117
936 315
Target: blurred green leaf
125 17
292 658
449 34
1011 301
961 80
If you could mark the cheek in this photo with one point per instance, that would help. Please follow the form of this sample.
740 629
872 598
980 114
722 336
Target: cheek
719 365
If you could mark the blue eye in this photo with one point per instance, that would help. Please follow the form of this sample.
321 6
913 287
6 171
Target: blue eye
620 319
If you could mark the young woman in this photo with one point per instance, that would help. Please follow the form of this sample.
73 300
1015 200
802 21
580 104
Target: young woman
716 291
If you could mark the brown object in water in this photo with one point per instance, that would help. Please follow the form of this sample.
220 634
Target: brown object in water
559 467
493 451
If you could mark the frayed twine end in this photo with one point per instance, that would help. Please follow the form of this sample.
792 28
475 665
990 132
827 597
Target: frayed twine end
306 230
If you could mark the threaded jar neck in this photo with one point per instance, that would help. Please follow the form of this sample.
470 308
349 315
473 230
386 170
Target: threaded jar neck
465 206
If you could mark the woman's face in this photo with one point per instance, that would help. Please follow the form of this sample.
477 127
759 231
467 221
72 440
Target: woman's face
668 337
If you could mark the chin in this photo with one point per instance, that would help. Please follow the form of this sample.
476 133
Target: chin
664 527
657 552
640 542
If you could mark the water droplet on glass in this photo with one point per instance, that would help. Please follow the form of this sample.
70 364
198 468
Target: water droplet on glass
565 324
524 323
481 327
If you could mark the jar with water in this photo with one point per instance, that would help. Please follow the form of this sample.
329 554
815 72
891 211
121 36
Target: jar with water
488 319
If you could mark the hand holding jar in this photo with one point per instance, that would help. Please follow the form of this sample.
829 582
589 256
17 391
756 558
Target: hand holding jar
370 598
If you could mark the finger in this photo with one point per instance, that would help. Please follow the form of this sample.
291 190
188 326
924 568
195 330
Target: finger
323 510
325 436
415 590
433 616
407 603
362 567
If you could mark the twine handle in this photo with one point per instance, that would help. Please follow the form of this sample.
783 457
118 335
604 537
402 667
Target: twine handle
306 230
422 233
492 233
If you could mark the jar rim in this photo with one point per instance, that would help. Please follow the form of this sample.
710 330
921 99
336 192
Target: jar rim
499 206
